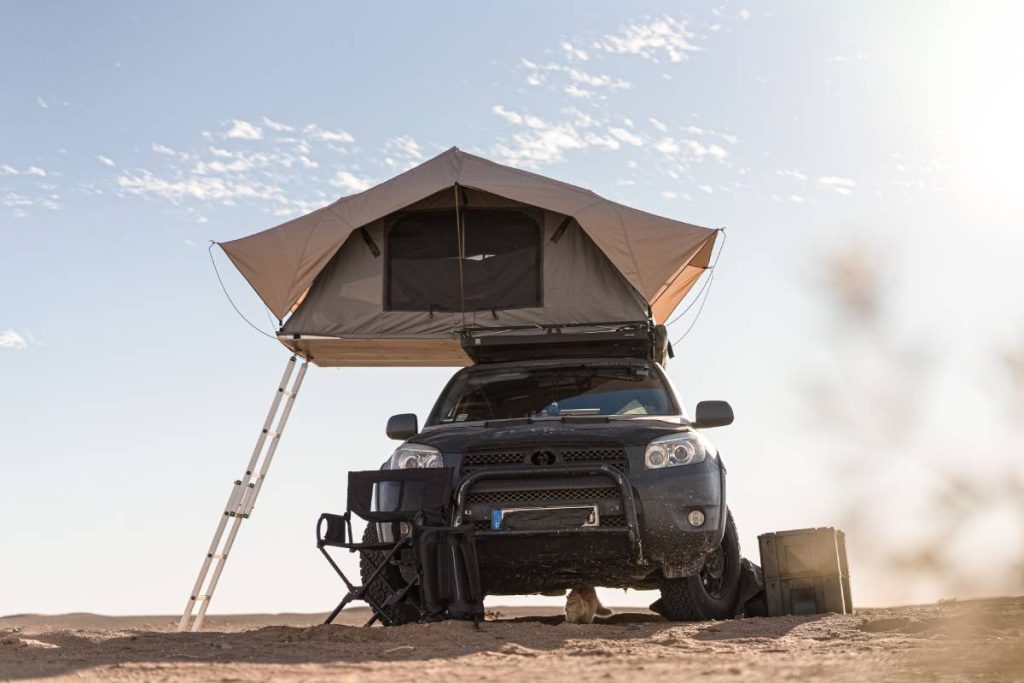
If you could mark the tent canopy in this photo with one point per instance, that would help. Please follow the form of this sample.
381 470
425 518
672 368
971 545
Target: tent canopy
390 275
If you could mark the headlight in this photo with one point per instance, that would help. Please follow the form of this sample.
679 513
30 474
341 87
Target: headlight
687 448
412 456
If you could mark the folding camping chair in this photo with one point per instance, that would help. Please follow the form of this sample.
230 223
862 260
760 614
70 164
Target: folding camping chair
443 557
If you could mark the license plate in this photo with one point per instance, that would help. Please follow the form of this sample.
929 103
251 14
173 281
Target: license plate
498 515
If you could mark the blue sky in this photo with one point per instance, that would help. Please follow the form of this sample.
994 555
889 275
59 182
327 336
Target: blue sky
132 134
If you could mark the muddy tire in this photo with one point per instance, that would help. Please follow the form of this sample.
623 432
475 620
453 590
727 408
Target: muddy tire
712 593
378 592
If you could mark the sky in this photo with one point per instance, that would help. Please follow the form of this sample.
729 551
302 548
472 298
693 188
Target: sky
131 135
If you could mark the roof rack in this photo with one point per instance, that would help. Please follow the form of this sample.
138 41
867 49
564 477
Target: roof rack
638 339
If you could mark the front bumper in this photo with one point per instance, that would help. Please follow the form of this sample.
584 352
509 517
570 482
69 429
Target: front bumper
655 539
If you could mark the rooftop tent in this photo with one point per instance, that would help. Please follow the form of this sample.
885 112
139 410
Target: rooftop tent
390 276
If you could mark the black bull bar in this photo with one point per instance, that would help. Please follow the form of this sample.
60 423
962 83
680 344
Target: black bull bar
632 528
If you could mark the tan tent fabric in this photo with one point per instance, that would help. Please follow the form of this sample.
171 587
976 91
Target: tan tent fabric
579 285
660 257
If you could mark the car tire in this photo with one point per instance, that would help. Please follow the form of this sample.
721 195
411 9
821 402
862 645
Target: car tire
712 593
369 560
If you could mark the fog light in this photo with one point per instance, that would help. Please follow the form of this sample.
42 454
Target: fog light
404 528
696 518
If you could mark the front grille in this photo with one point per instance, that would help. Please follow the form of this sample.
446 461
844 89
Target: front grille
614 520
475 461
601 455
509 498
614 456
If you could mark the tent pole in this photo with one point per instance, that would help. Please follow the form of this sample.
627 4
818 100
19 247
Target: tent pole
243 497
460 233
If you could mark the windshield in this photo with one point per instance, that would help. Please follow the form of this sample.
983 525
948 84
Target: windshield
626 389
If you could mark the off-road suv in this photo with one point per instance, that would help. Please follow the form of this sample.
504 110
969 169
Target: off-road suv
579 466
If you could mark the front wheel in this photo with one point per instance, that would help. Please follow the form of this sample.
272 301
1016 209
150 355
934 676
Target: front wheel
712 593
369 560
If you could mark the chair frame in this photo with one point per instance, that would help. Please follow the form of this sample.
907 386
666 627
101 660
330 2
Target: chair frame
338 533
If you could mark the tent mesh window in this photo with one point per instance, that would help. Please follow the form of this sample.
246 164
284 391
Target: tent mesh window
501 268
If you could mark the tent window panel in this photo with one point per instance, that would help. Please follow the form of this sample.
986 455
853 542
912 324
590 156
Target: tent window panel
423 263
501 268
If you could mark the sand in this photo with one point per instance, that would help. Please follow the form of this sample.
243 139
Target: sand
970 640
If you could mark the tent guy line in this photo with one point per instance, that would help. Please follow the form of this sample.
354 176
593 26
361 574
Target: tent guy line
706 287
231 301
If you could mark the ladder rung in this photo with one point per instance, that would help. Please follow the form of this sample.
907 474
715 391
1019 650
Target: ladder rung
200 598
218 556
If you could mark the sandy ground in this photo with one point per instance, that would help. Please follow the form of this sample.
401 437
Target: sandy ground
971 640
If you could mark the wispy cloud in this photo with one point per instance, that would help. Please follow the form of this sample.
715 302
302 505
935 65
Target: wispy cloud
145 183
626 136
319 134
278 166
19 203
9 339
243 130
539 142
164 149
571 79
793 173
838 185
350 182
276 126
402 153
574 53
654 40
840 59
106 161
688 149
6 169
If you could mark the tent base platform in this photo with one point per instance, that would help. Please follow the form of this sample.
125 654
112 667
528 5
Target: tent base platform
641 339
334 352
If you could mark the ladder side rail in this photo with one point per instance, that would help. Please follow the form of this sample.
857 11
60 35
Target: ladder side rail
257 452
248 498
235 507
201 616
232 505
271 414
249 501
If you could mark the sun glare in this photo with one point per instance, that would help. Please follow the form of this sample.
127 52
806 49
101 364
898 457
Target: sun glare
977 72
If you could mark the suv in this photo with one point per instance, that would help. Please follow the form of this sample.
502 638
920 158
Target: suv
578 466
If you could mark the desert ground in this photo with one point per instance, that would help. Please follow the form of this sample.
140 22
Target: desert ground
956 640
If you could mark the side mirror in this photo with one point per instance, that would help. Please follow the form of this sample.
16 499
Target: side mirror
713 414
402 426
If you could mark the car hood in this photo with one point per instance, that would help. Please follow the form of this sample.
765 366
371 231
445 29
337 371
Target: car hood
458 437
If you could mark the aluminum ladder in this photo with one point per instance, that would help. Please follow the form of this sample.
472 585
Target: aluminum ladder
242 499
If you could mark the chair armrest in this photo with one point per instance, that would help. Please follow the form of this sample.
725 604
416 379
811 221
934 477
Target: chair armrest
337 530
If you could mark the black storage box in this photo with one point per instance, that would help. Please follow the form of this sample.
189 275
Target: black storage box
805 572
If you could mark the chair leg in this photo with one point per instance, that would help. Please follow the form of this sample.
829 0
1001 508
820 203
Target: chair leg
341 605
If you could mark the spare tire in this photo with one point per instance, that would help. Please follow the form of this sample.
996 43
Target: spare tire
713 592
